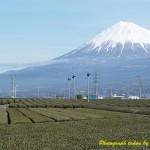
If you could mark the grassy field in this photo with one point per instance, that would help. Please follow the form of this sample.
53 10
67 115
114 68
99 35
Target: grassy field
55 128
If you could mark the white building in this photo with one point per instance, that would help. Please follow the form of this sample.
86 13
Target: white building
117 96
133 97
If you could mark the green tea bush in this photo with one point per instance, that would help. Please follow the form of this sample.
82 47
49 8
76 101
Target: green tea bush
13 105
21 105
3 116
25 102
67 106
11 101
17 117
57 116
4 101
35 103
34 116
77 106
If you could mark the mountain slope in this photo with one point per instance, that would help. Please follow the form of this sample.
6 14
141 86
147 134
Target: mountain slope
119 54
123 39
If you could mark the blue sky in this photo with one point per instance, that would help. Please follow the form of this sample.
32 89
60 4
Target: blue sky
40 30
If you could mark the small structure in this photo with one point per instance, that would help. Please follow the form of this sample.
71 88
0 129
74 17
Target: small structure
117 96
133 97
100 97
60 97
92 97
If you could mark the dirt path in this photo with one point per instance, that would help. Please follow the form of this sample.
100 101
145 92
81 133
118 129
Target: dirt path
4 106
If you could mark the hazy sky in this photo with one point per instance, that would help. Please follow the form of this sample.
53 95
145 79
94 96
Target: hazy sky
40 30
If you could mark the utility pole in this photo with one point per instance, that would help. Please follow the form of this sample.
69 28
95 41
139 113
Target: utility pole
88 74
69 79
74 88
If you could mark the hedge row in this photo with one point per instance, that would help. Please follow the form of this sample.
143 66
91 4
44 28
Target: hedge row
17 117
3 116
34 116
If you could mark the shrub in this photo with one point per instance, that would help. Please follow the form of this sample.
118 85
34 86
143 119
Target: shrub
4 101
17 117
79 97
13 105
21 105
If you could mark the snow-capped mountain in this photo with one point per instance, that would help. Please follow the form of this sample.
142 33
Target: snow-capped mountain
118 54
122 40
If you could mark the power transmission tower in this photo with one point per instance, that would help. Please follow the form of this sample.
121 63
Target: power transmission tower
141 87
96 84
128 91
13 86
109 90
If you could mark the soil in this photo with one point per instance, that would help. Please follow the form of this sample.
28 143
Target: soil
4 106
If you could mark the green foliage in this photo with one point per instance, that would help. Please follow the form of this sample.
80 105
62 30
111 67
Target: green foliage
76 114
11 100
16 100
3 116
78 135
79 97
36 103
35 117
68 124
77 106
28 104
13 105
66 113
21 105
57 116
126 106
4 101
17 117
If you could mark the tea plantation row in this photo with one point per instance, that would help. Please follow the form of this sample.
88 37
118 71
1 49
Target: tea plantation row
127 106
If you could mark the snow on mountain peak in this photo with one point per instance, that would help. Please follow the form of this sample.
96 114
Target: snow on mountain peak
122 40
122 32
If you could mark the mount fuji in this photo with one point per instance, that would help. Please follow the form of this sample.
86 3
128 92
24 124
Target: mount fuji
118 54
122 40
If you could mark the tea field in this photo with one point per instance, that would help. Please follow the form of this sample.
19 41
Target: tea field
44 124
